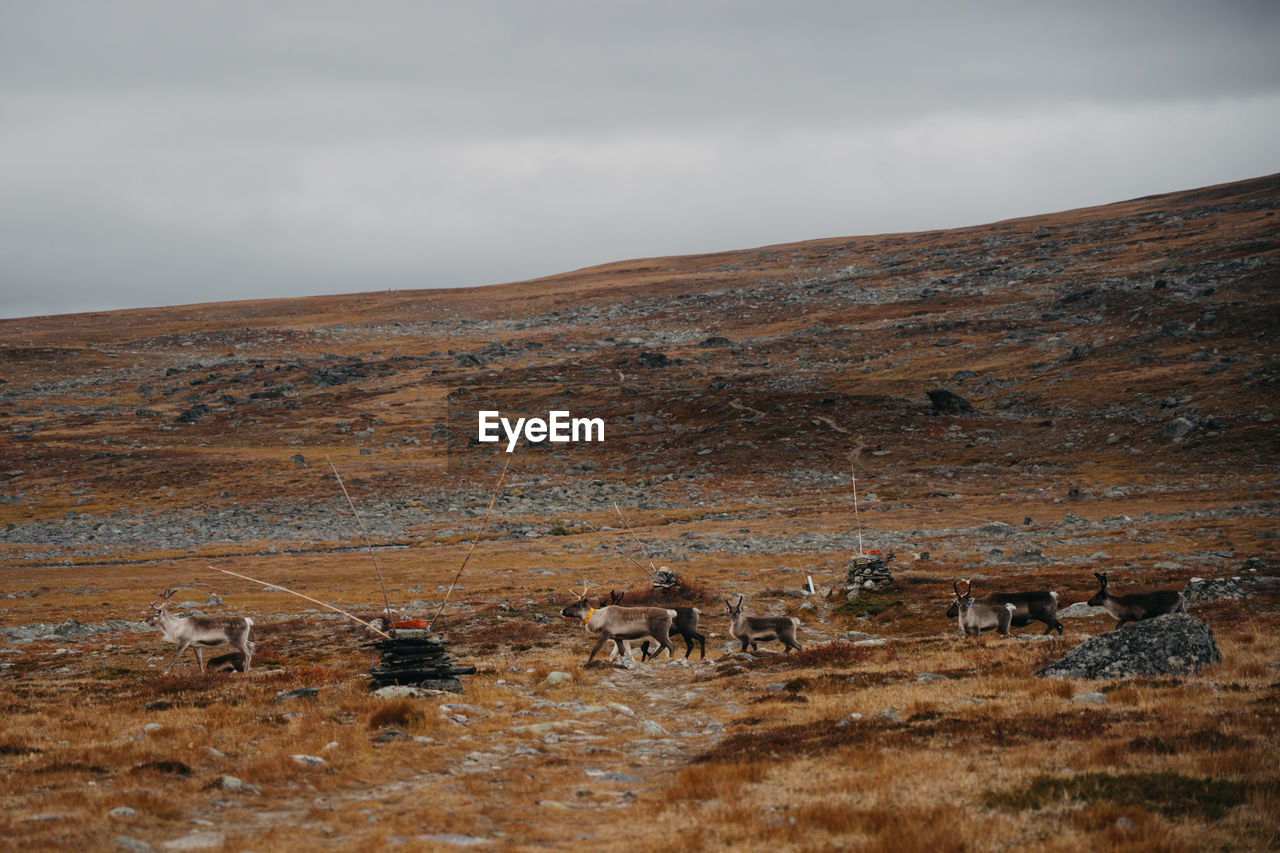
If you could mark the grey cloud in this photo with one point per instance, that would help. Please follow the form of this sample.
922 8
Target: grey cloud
163 152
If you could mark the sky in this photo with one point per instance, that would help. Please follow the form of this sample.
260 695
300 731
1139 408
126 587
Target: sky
164 153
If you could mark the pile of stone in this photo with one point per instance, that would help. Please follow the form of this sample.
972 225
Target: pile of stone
868 573
411 658
665 580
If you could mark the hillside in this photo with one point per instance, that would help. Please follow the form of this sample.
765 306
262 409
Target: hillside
1119 368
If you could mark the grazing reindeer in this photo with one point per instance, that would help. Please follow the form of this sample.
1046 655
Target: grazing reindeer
616 623
685 624
201 632
978 616
751 630
1038 606
1137 606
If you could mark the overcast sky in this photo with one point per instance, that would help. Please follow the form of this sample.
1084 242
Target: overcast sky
159 153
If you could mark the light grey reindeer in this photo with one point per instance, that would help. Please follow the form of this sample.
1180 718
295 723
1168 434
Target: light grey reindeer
1137 606
201 632
977 616
621 624
751 630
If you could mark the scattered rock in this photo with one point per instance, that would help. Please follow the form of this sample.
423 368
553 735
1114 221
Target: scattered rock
195 414
452 840
1175 644
299 693
930 676
196 841
556 678
1177 428
1206 590
651 728
390 735
400 691
133 845
309 760
1088 699
231 783
1080 610
946 403
122 813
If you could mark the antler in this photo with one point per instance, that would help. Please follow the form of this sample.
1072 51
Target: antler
968 586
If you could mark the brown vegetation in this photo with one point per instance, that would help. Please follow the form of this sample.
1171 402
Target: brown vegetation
1085 332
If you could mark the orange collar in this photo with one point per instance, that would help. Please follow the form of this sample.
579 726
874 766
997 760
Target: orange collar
590 612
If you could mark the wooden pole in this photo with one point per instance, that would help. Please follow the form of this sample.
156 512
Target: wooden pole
619 550
483 525
307 597
377 570
636 539
856 520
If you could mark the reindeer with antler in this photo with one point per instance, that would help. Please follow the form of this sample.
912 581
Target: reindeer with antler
619 624
976 616
201 632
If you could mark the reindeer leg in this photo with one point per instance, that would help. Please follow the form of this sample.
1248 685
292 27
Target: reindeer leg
702 644
182 647
665 642
199 657
599 645
246 648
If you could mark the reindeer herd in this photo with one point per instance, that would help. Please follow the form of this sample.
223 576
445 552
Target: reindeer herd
612 622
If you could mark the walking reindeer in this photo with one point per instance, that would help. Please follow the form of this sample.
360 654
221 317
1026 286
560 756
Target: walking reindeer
201 632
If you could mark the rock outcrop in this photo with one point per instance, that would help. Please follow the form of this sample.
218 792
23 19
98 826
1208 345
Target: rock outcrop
1175 644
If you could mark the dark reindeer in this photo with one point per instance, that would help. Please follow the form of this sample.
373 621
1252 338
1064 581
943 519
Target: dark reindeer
1037 606
1137 606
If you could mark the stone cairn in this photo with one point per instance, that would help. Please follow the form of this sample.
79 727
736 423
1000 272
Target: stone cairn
868 573
413 659
665 580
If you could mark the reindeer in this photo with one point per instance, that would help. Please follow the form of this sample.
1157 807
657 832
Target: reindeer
978 616
751 630
613 622
1137 606
1038 606
201 632
230 662
685 624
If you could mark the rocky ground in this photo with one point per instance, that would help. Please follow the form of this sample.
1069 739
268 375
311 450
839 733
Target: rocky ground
1022 403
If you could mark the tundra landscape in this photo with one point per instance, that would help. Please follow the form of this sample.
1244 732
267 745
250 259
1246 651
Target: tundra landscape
1030 405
